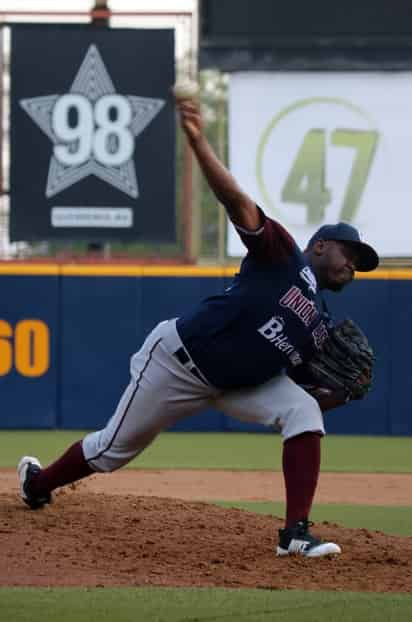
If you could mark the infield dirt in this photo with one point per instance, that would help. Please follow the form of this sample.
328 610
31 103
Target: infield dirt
104 532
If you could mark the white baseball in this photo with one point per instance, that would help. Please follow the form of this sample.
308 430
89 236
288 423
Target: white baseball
185 89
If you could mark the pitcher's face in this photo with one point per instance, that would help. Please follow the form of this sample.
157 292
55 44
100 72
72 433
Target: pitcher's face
334 263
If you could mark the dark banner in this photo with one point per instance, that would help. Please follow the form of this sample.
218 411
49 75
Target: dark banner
92 134
251 22
245 35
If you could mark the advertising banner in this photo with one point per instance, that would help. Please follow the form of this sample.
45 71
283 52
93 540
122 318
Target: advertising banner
320 147
92 133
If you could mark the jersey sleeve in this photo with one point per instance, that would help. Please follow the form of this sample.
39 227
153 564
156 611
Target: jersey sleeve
270 243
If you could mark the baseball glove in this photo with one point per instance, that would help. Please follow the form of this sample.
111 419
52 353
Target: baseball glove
345 362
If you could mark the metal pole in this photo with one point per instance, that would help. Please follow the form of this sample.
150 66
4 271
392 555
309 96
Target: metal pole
1 110
100 13
221 142
196 193
3 233
187 199
190 204
100 16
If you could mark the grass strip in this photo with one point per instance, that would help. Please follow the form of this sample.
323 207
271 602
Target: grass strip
243 451
395 520
199 605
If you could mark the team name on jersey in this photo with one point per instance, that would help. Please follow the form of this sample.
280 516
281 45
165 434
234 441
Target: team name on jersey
273 331
301 306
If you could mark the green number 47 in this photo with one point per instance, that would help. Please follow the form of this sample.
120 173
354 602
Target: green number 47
306 180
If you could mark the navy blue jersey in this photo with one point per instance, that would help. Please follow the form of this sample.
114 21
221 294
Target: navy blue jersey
270 317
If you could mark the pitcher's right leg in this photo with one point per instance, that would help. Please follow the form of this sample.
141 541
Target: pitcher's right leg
160 392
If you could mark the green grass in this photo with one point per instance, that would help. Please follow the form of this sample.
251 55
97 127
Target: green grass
199 605
392 520
229 450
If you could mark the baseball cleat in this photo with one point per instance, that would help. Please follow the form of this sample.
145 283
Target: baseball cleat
297 540
27 468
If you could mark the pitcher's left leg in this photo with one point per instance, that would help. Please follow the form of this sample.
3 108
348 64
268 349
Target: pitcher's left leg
283 404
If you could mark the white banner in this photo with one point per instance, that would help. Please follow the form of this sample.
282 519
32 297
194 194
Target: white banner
315 148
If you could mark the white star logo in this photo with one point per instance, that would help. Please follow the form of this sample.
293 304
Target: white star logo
92 129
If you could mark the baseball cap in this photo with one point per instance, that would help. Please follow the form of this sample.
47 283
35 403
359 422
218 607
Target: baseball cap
342 232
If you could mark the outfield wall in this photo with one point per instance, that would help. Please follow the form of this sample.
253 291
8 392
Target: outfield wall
67 332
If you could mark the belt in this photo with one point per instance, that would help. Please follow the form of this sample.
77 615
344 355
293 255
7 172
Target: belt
183 358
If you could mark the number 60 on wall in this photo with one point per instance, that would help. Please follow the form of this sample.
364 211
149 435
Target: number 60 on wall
26 347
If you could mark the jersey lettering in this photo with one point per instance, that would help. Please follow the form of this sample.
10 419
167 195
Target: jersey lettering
301 306
273 332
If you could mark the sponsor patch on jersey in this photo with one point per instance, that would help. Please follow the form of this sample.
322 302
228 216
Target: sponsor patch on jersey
320 334
273 331
307 275
301 306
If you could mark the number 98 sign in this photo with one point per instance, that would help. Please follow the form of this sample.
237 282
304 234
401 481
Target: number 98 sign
86 130
89 124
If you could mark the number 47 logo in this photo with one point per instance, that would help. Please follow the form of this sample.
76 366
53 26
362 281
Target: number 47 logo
305 183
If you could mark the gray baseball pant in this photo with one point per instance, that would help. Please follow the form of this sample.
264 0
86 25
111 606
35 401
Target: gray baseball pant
166 386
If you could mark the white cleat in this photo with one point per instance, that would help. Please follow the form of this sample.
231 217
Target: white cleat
28 468
297 540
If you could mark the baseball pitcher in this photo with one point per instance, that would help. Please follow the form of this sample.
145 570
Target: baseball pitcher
265 351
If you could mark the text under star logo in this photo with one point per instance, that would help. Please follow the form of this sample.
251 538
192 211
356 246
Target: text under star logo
92 129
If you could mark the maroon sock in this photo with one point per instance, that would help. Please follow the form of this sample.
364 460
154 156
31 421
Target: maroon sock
301 464
70 467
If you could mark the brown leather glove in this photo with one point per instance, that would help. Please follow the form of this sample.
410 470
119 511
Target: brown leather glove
345 362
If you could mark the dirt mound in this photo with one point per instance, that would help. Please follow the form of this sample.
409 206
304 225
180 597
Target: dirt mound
113 540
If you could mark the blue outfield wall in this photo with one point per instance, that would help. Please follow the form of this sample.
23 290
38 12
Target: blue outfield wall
67 333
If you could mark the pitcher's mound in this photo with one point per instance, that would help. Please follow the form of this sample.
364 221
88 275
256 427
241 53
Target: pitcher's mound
108 540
